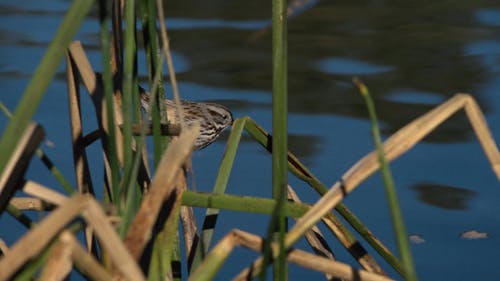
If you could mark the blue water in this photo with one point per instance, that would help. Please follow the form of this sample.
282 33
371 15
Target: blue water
412 57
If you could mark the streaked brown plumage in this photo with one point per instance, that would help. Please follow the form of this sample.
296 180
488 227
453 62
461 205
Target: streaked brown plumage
213 117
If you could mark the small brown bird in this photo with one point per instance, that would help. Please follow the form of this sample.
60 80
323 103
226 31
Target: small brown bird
212 117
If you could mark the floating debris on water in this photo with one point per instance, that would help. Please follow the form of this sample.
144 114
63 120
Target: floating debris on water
473 234
416 239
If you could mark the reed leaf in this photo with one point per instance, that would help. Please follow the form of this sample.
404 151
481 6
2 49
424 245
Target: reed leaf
219 188
128 91
395 209
345 236
246 204
108 86
278 224
154 60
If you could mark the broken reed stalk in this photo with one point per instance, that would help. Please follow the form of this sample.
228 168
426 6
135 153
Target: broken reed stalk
42 192
35 240
112 151
80 163
32 243
93 84
59 263
399 143
220 252
12 174
314 236
343 234
161 187
31 204
49 164
393 147
83 260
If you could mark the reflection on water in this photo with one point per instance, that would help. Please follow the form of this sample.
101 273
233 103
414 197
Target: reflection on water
446 197
411 96
488 17
301 145
424 45
344 66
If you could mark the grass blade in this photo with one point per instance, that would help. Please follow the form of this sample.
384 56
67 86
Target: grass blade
219 188
396 215
278 223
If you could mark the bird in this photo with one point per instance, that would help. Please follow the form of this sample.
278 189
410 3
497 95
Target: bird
212 117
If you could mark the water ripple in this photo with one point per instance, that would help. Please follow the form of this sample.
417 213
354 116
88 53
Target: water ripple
346 66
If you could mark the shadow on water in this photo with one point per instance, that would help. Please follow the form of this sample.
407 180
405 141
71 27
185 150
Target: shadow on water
445 197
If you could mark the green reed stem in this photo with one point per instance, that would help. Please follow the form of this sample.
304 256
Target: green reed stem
131 111
132 108
128 89
58 175
219 188
214 260
107 80
165 248
170 62
278 226
300 171
392 198
246 204
154 60
43 75
133 197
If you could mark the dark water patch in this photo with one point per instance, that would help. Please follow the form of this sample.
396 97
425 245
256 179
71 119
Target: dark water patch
35 8
489 17
443 196
303 146
408 96
346 66
189 23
